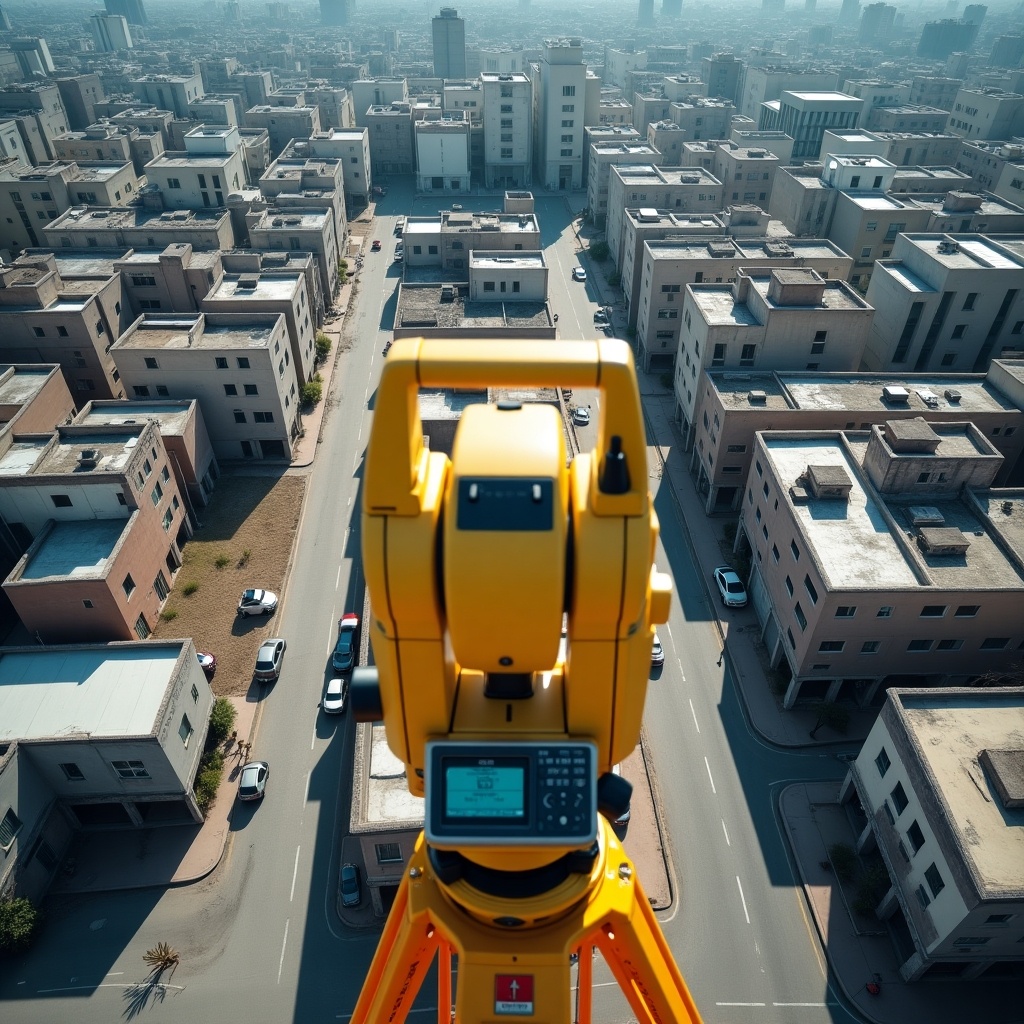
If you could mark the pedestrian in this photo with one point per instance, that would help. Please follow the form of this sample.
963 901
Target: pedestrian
248 751
721 656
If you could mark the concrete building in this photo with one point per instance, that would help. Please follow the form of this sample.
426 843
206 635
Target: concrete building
376 92
84 227
987 114
442 154
909 179
1010 185
297 178
939 39
767 319
672 264
960 212
201 177
731 407
295 224
447 240
746 174
934 91
250 402
615 111
448 31
169 92
940 803
110 32
759 84
924 149
720 74
390 138
94 736
499 276
945 303
617 62
79 94
886 551
679 190
508 129
39 112
602 157
351 147
986 161
805 116
284 123
560 90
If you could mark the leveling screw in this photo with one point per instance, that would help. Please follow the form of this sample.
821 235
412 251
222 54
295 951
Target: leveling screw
625 872
415 872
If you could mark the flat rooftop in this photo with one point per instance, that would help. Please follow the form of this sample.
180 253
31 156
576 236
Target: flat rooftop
421 306
513 260
171 334
289 218
718 306
96 692
749 249
112 453
972 252
23 385
949 730
75 550
467 220
386 800
19 459
837 295
276 287
115 218
173 416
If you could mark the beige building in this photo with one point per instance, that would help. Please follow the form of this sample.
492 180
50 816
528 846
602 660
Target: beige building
390 137
988 114
169 92
601 158
938 784
882 556
84 227
746 173
238 367
284 123
292 225
923 149
500 276
94 736
508 130
205 174
350 146
297 178
99 509
780 319
731 407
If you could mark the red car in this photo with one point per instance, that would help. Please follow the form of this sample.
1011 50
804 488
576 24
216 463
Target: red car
207 662
375 245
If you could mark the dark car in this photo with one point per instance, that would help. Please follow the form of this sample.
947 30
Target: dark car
350 893
269 659
344 657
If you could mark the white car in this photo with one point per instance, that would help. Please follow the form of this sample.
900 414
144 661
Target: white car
334 697
657 651
257 602
252 780
581 416
579 274
730 587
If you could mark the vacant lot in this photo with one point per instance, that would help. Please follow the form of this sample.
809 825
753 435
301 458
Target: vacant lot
245 541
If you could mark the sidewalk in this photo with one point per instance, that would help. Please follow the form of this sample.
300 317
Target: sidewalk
173 855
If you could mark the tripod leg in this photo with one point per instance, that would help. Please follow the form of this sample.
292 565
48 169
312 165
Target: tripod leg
403 956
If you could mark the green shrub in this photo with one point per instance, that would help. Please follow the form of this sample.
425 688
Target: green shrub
244 560
615 279
222 717
19 923
190 588
844 860
221 560
313 392
323 347
211 768
169 614
600 251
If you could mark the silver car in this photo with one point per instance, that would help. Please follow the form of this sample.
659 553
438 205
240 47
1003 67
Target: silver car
252 781
269 659
257 602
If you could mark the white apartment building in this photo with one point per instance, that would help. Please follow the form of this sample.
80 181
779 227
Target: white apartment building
110 32
350 146
442 154
560 99
283 123
768 319
923 149
170 92
502 276
376 92
805 116
988 114
601 158
1010 185
210 169
881 556
747 174
937 783
508 130
946 302
239 368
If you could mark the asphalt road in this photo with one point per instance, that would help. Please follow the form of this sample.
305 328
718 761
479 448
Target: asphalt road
260 938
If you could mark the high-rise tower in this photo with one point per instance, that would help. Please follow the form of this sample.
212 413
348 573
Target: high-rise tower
449 31
334 12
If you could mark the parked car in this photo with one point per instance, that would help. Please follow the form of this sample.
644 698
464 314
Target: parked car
623 819
350 892
399 225
579 274
345 649
269 660
334 697
601 317
456 206
207 662
375 245
581 416
657 651
730 587
252 780
257 602
399 254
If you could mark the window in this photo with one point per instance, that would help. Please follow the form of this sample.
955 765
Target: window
885 612
817 348
967 611
882 762
160 586
566 152
831 646
185 730
388 853
488 286
72 772
846 611
801 619
934 880
795 550
168 519
61 500
140 390
243 362
789 634
995 643
972 297
870 647
173 183
789 586
156 494
916 836
230 389
959 331
747 354
949 645
9 827
568 90
736 448
128 585
812 593
39 332
130 769
933 611
922 896
775 552
251 389
263 417
865 253
899 798
239 416
920 645
998 919
141 627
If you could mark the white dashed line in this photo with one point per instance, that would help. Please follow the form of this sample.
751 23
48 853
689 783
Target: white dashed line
706 765
726 831
295 873
742 900
695 722
280 966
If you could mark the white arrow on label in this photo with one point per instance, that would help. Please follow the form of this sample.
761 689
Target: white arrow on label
514 988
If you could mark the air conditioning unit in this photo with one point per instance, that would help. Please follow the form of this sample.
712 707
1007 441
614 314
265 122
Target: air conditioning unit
895 394
952 395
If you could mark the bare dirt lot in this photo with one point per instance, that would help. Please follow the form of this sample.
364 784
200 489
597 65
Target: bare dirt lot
245 541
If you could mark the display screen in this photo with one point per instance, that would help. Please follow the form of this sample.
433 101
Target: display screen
474 790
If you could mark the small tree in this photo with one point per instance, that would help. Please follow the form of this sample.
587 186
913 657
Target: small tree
844 860
222 718
599 251
19 922
313 392
323 347
161 958
832 715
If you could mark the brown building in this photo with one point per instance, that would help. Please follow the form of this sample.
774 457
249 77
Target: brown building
882 557
101 507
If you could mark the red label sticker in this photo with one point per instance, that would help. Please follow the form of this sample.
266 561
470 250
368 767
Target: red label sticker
513 994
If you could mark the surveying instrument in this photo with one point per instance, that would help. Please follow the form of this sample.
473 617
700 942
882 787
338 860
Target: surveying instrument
508 728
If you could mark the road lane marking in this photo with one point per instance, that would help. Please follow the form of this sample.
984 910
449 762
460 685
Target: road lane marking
295 873
742 900
114 974
740 1004
816 1005
312 744
694 713
82 988
726 831
280 966
309 775
337 580
708 766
